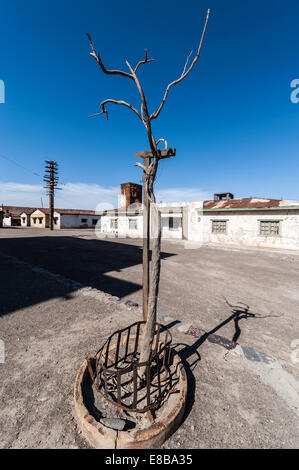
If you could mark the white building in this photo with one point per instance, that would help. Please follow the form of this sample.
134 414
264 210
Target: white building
12 215
25 217
39 217
65 218
73 218
259 222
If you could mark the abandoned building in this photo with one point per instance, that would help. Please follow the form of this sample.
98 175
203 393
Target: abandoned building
250 221
14 216
253 221
64 218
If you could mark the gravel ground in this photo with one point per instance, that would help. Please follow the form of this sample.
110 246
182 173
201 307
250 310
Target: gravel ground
49 326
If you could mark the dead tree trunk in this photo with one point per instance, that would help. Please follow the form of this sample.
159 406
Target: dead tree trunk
149 173
154 289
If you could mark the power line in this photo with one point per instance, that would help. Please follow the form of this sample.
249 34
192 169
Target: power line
21 166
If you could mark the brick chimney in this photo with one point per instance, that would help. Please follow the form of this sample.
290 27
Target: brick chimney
131 193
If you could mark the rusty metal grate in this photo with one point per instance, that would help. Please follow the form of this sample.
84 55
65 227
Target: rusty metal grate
115 369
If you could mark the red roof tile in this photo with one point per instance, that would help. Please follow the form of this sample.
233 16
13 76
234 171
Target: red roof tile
68 211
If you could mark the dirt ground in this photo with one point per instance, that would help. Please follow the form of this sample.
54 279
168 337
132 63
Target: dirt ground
49 324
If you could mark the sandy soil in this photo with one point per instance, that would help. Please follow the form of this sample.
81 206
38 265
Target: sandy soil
49 326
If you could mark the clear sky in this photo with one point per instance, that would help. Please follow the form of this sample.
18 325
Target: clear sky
231 120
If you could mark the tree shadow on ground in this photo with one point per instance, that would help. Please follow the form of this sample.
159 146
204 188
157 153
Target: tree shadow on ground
185 351
90 263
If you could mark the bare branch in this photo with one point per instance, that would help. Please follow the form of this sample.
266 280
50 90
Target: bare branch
140 166
143 100
144 61
98 114
162 140
99 61
142 111
123 103
185 72
146 119
187 61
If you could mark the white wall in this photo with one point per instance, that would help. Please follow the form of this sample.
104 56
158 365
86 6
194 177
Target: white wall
175 210
194 220
38 214
27 219
243 228
6 221
75 220
123 229
175 232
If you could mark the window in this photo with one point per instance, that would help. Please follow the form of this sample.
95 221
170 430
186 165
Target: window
24 220
94 221
40 219
114 223
132 224
34 220
174 223
55 220
83 221
269 228
219 226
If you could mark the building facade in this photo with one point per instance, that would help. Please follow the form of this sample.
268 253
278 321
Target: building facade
259 222
39 217
65 218
256 222
12 215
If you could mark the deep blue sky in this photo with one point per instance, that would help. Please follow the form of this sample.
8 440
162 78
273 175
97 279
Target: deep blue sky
231 121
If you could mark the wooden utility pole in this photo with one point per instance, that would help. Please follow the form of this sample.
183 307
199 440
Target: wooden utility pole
147 157
51 180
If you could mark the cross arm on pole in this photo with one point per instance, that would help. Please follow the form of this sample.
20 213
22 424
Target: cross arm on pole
162 153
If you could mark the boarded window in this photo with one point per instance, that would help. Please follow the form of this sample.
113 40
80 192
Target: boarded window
219 226
174 223
132 224
114 223
269 228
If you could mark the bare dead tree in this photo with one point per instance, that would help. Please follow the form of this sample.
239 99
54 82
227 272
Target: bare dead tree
149 172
